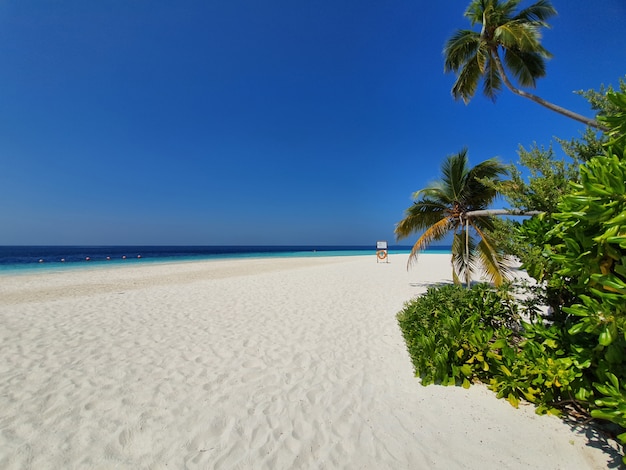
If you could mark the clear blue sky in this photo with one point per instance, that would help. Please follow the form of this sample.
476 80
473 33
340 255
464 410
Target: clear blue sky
256 122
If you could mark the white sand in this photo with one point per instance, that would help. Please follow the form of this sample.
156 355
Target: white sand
250 364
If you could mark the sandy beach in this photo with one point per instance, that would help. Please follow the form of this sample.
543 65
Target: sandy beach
286 363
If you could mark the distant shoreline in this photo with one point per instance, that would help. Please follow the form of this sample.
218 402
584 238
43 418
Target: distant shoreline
15 259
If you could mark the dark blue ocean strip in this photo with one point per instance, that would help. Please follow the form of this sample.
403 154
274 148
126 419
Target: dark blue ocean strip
14 258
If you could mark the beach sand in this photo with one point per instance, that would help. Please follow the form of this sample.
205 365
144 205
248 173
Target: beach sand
285 363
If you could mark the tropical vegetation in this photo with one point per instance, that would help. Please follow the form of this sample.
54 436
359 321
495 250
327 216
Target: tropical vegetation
562 344
572 361
507 40
442 208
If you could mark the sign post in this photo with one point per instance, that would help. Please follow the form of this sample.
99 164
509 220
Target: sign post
382 254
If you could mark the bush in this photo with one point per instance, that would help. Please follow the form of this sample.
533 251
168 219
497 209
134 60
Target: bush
453 333
592 256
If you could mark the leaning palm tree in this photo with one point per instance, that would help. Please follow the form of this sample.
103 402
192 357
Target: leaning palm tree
473 55
445 206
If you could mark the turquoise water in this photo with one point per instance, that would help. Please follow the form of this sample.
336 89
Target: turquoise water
29 259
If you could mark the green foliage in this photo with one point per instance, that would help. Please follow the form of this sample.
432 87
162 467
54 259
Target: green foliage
516 36
591 254
578 252
532 239
592 231
440 209
598 99
452 333
616 122
575 358
591 144
583 149
541 185
458 336
612 405
541 370
578 358
546 183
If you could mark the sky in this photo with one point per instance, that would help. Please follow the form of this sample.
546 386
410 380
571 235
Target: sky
241 122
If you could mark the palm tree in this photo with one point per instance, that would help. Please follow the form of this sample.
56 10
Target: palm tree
474 55
444 206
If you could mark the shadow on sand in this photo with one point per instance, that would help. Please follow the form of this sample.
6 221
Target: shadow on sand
600 436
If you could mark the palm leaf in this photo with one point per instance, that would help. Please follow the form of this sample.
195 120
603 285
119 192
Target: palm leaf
439 209
479 194
421 215
495 12
518 35
436 191
474 56
454 169
494 265
482 224
467 82
525 66
537 12
460 49
502 12
435 232
492 83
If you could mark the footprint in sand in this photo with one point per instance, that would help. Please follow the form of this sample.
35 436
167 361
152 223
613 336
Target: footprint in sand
125 437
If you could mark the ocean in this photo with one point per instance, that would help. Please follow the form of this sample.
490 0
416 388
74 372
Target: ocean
15 259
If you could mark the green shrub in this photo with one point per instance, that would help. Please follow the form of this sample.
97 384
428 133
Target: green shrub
453 334
542 370
456 336
592 257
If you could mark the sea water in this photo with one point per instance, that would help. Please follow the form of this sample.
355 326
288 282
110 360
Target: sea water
16 259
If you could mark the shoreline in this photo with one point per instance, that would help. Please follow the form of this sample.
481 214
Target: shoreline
249 363
16 260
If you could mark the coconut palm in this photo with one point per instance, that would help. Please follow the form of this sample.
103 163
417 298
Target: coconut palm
473 55
444 207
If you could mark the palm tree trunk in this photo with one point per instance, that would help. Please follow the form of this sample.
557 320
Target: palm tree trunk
490 212
565 112
467 270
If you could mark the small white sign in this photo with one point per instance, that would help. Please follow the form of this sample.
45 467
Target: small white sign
381 245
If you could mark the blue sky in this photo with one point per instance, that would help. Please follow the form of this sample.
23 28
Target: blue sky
241 122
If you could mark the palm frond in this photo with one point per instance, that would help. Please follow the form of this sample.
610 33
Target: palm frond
489 264
474 11
494 265
492 83
509 7
488 169
455 170
537 12
483 224
464 88
460 49
495 12
475 56
502 12
435 232
420 216
527 67
482 56
480 195
525 37
436 191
